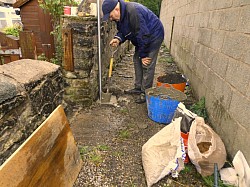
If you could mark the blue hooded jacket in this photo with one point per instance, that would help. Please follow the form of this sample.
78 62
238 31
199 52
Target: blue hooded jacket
139 25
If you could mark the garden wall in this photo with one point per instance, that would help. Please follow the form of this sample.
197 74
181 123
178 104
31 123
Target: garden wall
210 43
82 83
29 91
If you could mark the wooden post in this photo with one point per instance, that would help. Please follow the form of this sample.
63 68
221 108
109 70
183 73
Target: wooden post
28 44
68 63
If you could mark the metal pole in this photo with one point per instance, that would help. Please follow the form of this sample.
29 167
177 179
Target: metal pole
215 175
172 30
99 49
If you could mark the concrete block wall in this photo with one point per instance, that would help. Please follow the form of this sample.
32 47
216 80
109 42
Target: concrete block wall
211 45
29 91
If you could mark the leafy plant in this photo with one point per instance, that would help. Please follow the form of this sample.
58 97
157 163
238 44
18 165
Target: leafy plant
124 134
56 8
209 180
154 6
186 170
42 57
84 150
1 60
96 157
170 59
200 109
103 147
124 110
118 154
74 3
93 154
13 30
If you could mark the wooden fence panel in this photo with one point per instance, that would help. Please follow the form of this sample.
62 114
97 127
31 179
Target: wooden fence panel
9 48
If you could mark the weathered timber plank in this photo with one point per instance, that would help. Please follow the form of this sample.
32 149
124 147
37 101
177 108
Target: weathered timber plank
68 62
49 157
28 44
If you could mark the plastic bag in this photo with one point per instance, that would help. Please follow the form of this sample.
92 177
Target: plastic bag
187 117
163 153
205 147
239 175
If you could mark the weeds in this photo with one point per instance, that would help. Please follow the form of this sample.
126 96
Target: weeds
42 57
124 134
124 110
93 154
118 154
96 157
2 60
13 30
170 59
209 180
186 170
103 147
84 150
200 109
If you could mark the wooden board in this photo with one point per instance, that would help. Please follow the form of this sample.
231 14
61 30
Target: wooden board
28 44
49 157
68 62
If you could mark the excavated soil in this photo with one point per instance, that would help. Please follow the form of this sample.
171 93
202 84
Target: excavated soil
171 79
110 138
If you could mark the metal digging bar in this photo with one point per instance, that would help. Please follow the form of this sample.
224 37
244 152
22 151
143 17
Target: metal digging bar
99 49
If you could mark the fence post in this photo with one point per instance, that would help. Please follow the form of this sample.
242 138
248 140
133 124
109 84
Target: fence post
68 63
28 44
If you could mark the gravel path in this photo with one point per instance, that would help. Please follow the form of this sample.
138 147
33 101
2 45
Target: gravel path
110 138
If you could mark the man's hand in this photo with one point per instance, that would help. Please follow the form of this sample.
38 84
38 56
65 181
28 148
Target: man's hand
146 61
114 42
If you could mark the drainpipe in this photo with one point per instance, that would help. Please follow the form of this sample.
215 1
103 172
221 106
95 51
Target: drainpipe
99 48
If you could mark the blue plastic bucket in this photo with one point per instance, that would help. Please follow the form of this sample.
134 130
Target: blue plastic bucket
161 110
162 102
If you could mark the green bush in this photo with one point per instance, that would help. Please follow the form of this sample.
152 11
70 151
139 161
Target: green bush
154 6
13 30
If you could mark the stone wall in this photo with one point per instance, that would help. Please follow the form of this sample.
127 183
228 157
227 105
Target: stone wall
82 84
211 45
29 91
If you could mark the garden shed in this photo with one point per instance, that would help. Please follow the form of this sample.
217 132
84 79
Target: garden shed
38 23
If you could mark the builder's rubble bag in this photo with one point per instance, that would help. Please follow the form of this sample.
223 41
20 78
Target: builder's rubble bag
163 153
187 119
205 148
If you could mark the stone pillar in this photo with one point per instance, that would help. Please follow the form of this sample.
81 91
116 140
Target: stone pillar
82 84
29 91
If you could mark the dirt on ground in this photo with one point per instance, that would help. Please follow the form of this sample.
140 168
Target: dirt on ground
110 138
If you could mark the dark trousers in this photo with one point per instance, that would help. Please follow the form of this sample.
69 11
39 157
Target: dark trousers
144 75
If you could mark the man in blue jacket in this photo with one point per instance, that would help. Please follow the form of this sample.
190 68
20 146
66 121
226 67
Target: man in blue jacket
142 27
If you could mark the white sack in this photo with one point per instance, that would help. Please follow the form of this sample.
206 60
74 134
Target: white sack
205 147
163 153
